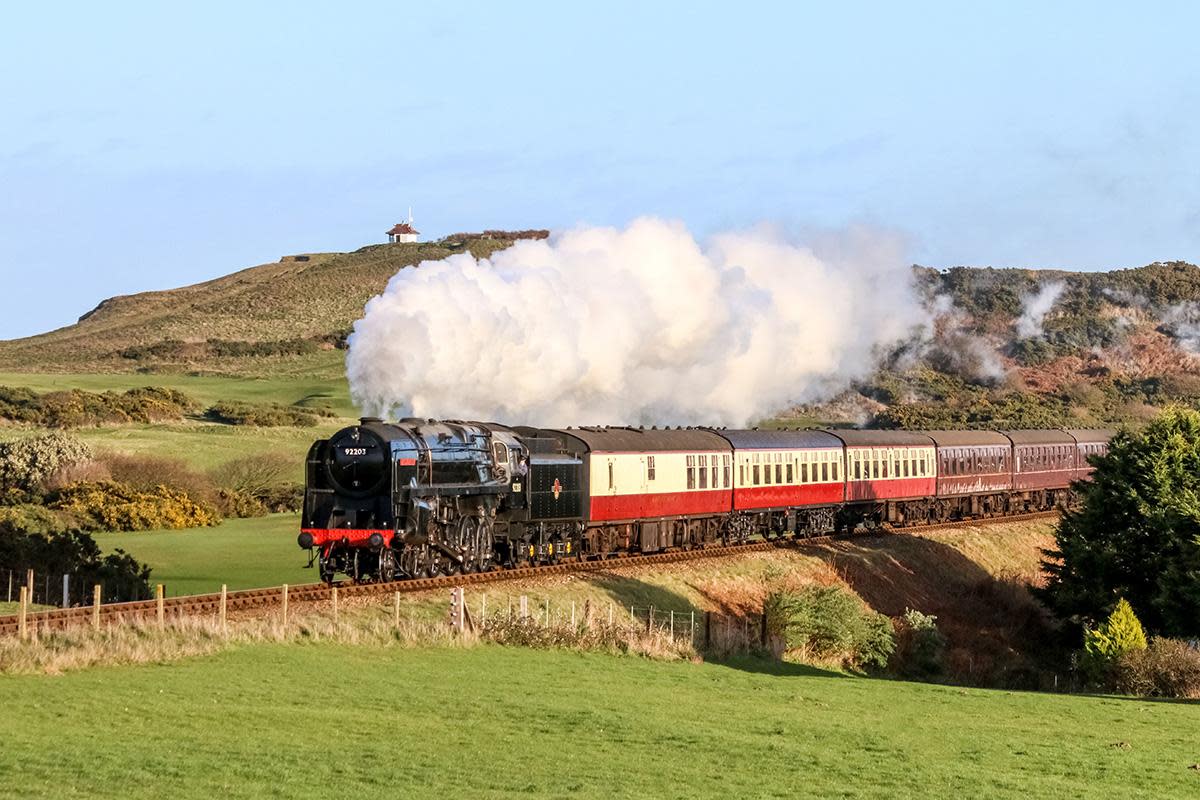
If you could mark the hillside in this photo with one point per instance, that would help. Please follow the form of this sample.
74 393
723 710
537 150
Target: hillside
283 318
1006 347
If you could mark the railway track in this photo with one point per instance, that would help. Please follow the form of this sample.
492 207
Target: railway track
252 599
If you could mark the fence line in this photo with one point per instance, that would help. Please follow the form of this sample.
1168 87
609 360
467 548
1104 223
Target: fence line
702 629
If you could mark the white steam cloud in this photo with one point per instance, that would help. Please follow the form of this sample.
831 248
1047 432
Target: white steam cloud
1035 306
634 326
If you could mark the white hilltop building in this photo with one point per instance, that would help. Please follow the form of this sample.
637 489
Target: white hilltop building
403 231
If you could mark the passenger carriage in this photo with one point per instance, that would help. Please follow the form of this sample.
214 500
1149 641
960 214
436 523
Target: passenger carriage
890 476
787 480
648 489
974 473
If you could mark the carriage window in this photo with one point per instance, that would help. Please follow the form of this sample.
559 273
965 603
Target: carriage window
884 472
833 470
756 469
779 473
649 468
804 473
727 469
741 474
703 472
691 472
857 471
789 473
825 472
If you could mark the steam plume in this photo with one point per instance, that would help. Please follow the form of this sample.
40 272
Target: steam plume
1035 307
638 325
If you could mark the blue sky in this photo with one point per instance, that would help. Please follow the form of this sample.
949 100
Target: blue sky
150 145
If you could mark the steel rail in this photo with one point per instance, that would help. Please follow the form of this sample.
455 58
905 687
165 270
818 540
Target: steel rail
250 599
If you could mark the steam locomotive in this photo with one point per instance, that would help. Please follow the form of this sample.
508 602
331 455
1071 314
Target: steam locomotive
416 497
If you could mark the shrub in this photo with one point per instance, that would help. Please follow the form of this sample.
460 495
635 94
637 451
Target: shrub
232 503
26 464
1104 645
145 472
828 623
256 485
30 518
114 506
264 415
921 647
1166 668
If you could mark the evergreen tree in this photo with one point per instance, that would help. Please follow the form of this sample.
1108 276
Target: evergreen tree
1104 645
1137 533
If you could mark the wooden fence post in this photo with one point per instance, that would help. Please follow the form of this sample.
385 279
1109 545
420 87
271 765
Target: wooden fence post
96 607
692 628
224 601
483 609
457 599
335 605
572 613
22 630
672 625
10 584
610 612
284 602
29 583
650 620
66 591
524 607
396 609
158 606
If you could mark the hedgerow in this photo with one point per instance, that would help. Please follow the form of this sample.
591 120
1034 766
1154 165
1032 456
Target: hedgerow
75 408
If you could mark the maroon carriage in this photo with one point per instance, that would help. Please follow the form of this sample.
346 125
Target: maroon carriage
1088 443
974 473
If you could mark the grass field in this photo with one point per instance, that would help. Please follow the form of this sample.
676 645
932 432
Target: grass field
242 553
323 720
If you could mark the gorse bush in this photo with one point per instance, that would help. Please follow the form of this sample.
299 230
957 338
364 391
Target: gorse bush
117 507
75 407
264 415
26 464
829 624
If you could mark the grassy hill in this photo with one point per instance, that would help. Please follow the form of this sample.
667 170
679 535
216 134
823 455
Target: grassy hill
286 318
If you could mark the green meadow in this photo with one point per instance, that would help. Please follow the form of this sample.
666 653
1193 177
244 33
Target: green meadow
241 553
323 720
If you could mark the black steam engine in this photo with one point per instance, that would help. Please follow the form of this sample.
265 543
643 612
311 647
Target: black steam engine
416 498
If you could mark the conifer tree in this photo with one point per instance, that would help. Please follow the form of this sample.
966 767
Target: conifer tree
1137 533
